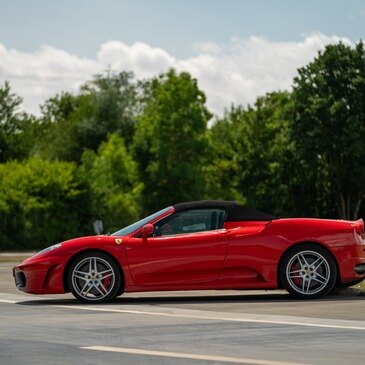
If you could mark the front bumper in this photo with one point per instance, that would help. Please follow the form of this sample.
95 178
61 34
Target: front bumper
19 278
40 277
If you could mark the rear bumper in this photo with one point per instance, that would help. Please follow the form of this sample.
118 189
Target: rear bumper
351 260
360 269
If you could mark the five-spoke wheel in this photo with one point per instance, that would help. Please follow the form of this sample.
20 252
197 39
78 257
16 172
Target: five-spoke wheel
308 271
94 277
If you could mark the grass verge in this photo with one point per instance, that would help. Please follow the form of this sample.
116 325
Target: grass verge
16 259
360 286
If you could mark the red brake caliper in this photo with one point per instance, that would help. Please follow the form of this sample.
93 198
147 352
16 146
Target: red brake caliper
106 283
297 281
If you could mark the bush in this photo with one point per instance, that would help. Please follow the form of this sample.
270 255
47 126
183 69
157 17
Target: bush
41 203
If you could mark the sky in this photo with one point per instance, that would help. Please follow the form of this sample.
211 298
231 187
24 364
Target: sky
237 49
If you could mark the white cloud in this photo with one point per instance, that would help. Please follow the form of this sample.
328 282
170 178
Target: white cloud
141 58
208 47
40 75
235 72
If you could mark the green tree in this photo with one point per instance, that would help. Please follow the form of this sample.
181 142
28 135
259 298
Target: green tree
115 190
41 203
329 126
228 146
14 125
71 124
266 177
58 136
114 97
170 144
251 148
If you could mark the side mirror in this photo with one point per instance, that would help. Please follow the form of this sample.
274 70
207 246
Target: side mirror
147 230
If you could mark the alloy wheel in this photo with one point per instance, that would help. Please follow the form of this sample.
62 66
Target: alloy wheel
93 278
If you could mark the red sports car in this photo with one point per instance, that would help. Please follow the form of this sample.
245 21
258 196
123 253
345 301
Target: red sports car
202 245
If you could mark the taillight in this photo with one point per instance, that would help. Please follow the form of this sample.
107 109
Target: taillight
359 227
359 231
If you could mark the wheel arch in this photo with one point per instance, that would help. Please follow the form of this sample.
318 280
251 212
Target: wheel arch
79 253
319 244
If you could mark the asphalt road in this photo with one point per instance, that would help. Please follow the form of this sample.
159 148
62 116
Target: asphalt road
225 327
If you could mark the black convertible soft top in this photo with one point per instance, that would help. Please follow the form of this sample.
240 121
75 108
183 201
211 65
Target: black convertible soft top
235 212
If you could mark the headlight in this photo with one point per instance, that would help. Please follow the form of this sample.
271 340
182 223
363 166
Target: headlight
50 248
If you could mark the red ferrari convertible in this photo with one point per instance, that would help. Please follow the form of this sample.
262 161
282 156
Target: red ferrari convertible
202 245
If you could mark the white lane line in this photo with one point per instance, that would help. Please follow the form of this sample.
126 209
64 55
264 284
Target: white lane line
180 355
8 301
218 316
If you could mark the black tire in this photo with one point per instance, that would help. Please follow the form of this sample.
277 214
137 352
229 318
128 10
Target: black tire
302 278
120 291
82 274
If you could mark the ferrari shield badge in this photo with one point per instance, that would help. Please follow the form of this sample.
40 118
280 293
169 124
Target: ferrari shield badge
118 241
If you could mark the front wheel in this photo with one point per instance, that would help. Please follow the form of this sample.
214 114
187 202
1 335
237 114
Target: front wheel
94 277
308 272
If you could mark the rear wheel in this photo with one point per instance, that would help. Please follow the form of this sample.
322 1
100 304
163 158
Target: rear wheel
308 272
94 277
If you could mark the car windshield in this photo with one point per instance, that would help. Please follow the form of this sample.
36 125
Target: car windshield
133 227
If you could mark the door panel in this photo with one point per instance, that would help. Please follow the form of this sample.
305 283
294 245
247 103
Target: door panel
178 259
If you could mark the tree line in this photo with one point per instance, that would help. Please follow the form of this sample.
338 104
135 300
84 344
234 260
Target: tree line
121 148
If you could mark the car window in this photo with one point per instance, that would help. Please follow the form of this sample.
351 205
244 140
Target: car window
197 220
133 227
